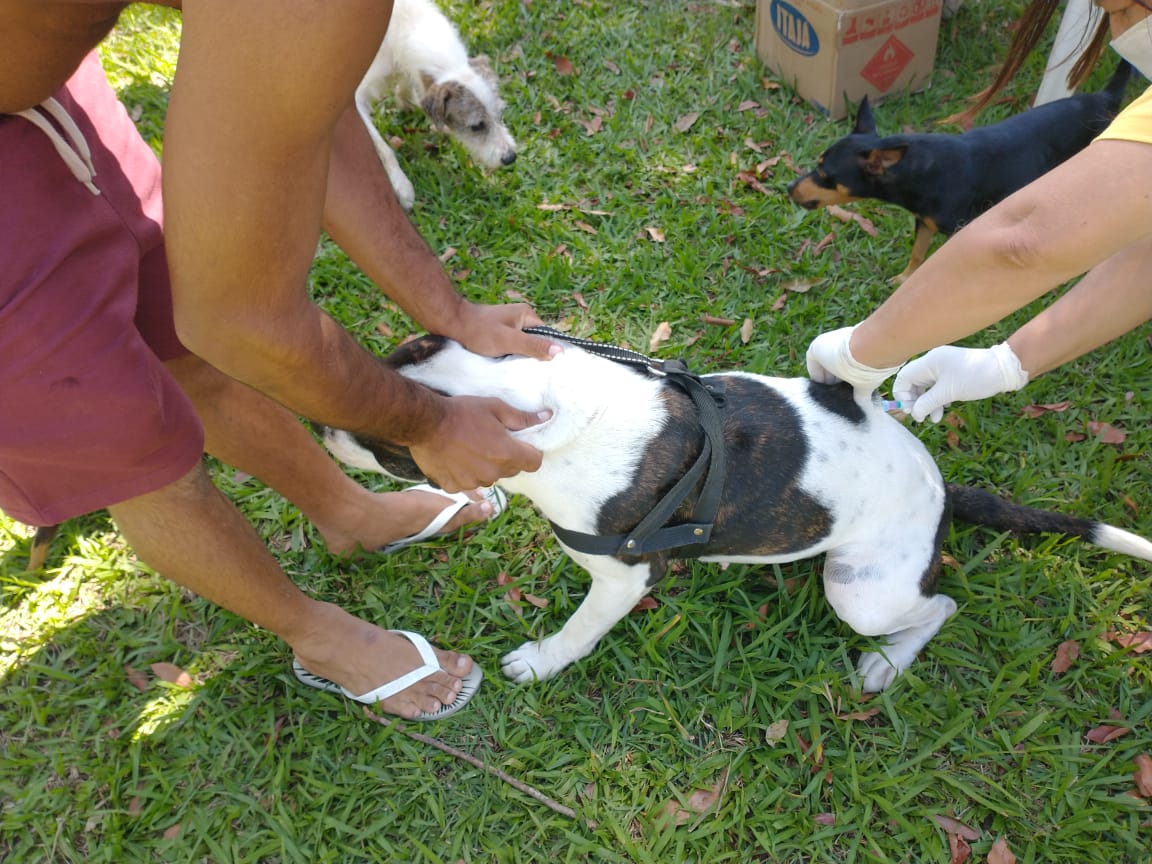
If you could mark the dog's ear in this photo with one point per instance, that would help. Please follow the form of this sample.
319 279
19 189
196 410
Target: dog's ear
483 68
880 159
435 102
865 124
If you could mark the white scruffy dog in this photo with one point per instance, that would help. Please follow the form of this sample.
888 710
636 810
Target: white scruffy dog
423 62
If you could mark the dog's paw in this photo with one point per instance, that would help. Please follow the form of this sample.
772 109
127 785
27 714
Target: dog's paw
876 671
405 191
528 663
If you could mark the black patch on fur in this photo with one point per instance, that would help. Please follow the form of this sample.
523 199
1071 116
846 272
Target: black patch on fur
415 351
763 510
839 399
395 459
931 574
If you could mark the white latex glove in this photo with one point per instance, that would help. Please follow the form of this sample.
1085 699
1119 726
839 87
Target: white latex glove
949 374
829 361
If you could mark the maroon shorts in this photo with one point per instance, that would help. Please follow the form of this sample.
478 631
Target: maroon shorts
89 416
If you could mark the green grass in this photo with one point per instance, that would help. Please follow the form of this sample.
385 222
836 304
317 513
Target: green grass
738 683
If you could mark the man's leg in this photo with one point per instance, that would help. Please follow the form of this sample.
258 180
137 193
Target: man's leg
189 532
251 432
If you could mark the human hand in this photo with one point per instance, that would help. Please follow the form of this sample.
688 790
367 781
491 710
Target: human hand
494 331
471 447
950 374
830 360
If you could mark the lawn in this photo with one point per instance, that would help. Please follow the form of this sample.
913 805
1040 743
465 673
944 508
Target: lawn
718 723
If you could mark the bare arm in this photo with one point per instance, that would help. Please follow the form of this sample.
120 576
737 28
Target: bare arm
1058 227
1112 299
363 216
258 91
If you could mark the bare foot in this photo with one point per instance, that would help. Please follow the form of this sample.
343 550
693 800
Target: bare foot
373 520
361 657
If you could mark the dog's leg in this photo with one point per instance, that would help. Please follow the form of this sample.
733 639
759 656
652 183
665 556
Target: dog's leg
405 191
616 588
925 231
880 595
878 669
40 543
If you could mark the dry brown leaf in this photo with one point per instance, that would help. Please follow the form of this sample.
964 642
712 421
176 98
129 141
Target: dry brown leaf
135 806
799 286
686 121
586 228
384 330
699 802
173 832
538 602
580 301
656 235
775 732
1000 853
746 330
1073 437
1104 733
592 126
136 678
823 244
747 105
867 714
779 302
824 818
1040 410
1106 432
1066 654
750 179
958 849
552 207
611 67
563 64
1137 643
952 826
660 335
1143 775
717 321
172 674
646 604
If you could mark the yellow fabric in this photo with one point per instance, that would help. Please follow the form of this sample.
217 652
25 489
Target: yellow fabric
1134 123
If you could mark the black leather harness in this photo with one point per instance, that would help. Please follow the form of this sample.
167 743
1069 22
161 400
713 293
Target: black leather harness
652 533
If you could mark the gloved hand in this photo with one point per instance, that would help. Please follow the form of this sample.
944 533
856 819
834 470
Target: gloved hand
949 374
829 361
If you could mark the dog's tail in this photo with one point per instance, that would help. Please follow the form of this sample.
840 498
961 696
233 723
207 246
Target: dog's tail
983 508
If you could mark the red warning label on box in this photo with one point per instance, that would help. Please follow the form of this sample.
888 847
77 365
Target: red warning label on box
887 64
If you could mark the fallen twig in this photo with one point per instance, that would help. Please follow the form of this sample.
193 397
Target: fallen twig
530 791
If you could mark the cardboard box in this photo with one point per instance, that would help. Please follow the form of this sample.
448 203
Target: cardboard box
835 51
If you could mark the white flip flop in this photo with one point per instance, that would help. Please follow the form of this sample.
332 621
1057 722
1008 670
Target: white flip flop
372 697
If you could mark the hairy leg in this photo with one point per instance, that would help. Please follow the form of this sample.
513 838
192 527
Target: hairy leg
251 432
190 533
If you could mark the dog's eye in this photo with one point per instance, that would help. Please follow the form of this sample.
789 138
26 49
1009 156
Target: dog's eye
478 128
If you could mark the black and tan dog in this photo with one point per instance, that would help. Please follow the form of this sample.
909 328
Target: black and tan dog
948 180
804 469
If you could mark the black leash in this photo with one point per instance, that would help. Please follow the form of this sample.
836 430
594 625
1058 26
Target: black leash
652 533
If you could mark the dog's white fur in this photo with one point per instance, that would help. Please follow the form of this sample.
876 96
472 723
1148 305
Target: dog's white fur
423 63
883 490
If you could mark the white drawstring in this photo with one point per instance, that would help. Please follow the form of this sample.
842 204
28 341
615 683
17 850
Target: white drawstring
75 154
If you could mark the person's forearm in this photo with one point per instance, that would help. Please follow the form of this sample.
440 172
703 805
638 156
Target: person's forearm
245 171
1049 232
1108 302
362 215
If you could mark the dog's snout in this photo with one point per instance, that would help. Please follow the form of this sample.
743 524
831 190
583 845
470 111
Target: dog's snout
508 158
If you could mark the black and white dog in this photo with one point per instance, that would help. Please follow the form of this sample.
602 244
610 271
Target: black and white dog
811 469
